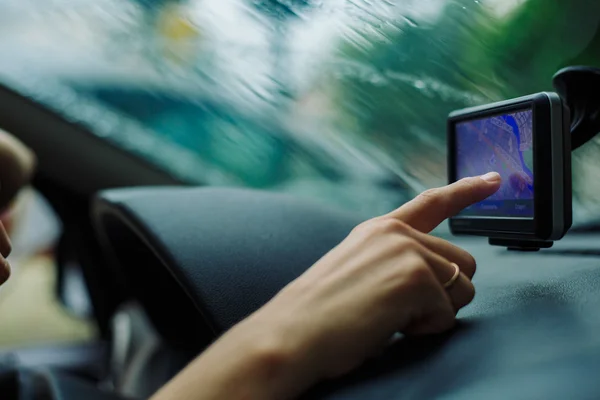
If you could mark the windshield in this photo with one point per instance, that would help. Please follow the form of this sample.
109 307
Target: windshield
344 101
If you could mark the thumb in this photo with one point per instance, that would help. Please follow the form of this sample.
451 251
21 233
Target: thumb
430 208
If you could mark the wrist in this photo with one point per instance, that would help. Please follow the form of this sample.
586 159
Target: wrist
279 363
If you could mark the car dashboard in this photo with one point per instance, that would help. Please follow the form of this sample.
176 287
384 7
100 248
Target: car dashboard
532 330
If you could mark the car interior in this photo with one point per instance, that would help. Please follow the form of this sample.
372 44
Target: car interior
198 156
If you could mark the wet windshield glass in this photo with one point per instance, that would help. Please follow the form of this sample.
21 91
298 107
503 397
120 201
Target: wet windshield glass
344 101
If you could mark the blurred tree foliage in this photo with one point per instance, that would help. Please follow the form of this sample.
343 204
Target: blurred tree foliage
397 91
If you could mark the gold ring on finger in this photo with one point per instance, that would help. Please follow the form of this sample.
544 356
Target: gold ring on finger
454 278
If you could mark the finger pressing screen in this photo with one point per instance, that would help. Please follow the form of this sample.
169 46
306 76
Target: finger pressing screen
432 207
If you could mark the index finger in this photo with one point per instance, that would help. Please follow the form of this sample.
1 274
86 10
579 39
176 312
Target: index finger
430 208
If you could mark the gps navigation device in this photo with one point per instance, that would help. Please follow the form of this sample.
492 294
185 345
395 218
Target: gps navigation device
527 141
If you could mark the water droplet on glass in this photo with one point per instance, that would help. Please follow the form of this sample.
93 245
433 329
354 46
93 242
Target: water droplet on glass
333 99
410 21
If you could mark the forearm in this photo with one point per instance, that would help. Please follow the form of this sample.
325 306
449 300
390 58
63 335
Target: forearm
244 364
385 277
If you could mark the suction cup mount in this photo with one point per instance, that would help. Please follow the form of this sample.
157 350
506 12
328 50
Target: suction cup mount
579 87
521 245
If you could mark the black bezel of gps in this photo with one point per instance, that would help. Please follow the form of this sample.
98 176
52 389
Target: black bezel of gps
552 213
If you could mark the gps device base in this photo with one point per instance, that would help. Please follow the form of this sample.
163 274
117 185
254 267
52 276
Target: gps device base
521 245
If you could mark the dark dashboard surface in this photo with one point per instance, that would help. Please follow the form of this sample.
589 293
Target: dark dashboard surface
533 331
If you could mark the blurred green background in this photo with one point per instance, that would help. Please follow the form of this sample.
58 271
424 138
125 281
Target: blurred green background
342 101
470 54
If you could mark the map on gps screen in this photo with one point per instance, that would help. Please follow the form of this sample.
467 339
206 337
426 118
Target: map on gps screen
503 144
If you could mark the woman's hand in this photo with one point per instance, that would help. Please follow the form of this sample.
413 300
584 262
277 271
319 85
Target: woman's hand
387 276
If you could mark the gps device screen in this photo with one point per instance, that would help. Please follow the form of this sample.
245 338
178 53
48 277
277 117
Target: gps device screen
504 144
